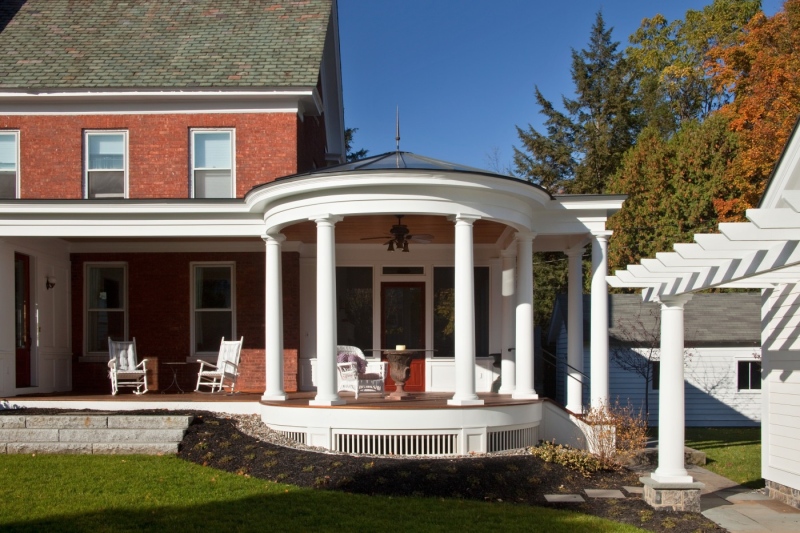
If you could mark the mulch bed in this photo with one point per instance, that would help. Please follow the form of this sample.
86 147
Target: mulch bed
215 442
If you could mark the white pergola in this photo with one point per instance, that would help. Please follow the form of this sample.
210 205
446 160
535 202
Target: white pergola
762 253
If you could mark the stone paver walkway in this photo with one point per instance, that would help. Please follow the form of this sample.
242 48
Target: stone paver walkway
732 506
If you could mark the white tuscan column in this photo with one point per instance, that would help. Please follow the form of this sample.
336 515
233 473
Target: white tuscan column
464 314
524 317
273 318
508 361
599 324
671 420
326 312
575 330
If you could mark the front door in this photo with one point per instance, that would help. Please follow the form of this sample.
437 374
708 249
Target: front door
22 318
403 322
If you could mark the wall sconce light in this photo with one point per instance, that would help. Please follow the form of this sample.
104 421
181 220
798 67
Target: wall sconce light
50 282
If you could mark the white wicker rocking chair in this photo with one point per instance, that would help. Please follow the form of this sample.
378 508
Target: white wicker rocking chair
123 368
224 373
358 375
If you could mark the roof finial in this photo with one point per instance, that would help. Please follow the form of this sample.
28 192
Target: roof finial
397 137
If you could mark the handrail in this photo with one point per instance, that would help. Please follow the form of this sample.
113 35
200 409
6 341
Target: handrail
554 362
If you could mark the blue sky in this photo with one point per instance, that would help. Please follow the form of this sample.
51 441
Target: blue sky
463 71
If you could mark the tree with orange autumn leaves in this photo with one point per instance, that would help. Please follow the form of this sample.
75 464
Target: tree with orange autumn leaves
763 72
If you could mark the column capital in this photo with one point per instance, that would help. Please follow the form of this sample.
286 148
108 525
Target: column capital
464 218
575 250
525 235
326 218
275 237
678 300
602 235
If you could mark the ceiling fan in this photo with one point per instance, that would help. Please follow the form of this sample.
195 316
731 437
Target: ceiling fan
399 236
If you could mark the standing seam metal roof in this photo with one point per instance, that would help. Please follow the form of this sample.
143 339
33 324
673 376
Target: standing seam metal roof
80 44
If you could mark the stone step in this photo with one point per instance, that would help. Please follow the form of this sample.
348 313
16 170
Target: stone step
78 433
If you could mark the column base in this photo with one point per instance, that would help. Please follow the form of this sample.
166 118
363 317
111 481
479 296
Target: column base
672 496
509 390
327 402
274 397
458 401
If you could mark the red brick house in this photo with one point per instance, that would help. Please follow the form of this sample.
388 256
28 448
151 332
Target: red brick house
173 172
162 115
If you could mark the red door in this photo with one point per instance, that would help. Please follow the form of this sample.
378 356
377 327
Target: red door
403 322
22 318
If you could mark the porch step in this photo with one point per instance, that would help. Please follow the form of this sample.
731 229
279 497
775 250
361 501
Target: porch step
78 433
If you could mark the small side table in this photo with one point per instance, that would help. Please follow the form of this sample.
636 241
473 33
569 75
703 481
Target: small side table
174 367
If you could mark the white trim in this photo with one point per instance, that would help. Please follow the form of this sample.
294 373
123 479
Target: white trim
18 167
192 168
195 356
125 155
98 356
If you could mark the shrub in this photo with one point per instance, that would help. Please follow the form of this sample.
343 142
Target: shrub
615 433
584 462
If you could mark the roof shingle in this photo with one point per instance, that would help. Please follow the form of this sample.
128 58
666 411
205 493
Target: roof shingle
73 44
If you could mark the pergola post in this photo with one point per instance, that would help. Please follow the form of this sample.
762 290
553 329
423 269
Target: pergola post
671 486
575 330
524 317
326 312
671 409
273 318
599 324
508 360
464 314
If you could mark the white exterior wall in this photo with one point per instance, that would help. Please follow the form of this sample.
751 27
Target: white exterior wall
711 394
780 338
50 316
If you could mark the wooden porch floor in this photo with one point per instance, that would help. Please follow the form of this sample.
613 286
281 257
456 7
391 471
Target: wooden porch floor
420 400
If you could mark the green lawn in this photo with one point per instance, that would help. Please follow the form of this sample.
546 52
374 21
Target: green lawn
731 452
134 493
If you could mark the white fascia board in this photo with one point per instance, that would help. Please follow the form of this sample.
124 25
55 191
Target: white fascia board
621 280
783 218
45 208
672 281
592 202
700 274
747 231
292 100
133 228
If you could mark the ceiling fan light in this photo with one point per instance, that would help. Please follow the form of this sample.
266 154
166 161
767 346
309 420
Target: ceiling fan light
405 246
391 246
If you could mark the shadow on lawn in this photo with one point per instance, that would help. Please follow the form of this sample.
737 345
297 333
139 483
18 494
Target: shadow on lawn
302 510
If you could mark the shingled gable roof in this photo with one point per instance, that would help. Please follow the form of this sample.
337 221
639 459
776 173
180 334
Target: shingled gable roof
135 44
717 319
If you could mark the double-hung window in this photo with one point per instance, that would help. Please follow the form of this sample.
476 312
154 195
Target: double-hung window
748 375
106 164
213 172
9 164
213 303
106 305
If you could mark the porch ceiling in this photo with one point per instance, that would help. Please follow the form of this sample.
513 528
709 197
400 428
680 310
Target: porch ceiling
353 229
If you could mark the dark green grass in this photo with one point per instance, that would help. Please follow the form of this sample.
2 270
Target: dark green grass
135 493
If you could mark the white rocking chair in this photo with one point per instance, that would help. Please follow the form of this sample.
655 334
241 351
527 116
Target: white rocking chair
215 376
358 375
123 368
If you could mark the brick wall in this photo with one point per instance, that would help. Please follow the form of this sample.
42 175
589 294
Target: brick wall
267 147
159 312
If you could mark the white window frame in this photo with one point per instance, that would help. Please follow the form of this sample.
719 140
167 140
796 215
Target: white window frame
194 265
748 390
103 355
15 134
86 135
192 168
